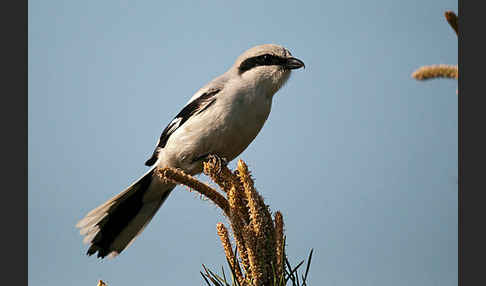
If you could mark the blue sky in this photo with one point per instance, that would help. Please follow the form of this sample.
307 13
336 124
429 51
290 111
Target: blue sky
360 158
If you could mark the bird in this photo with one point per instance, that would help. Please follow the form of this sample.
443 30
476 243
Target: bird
221 119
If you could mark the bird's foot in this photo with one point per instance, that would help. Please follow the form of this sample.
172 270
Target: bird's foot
219 162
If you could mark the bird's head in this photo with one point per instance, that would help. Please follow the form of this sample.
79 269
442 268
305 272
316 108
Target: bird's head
267 66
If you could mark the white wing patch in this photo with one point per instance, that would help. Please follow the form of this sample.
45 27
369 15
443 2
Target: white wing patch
174 125
195 106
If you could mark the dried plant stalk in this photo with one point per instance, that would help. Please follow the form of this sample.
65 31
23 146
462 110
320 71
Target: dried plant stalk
256 271
451 18
279 243
231 185
238 225
440 71
259 204
436 71
259 239
179 177
240 201
261 223
226 179
228 250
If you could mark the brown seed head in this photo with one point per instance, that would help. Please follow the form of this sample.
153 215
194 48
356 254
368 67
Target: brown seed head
228 250
436 71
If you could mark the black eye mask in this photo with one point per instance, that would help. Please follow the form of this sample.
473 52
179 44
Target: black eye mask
263 60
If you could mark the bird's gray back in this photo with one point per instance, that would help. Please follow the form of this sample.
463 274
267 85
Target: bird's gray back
225 129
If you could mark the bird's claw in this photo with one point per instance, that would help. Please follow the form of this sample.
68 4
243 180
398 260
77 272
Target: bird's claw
219 162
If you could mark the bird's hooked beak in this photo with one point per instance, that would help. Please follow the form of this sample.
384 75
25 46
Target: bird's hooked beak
294 63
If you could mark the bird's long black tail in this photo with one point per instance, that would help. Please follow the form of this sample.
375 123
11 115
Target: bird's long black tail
114 225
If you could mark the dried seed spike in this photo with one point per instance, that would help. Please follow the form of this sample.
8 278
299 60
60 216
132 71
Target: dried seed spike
279 243
238 227
242 166
179 177
256 268
256 219
239 201
226 179
248 184
228 249
254 201
436 71
261 223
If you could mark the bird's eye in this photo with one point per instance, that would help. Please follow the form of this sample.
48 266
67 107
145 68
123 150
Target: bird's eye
267 60
264 59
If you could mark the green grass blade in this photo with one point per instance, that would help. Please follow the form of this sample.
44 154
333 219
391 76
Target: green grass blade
205 279
304 278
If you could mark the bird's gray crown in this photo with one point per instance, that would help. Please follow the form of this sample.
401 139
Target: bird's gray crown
261 50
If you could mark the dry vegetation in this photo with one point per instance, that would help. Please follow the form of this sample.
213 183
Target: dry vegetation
259 256
440 71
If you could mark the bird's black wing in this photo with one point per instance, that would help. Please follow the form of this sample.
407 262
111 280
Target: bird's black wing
196 106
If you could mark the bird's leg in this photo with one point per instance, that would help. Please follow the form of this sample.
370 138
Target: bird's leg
220 162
